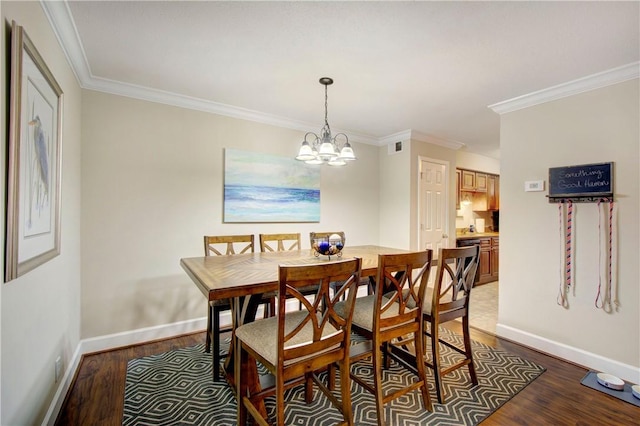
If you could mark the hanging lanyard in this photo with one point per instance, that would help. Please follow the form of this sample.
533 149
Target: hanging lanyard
566 234
605 302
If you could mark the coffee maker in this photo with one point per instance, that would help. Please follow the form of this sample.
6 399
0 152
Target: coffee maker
495 217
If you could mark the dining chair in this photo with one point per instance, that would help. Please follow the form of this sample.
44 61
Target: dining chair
283 242
313 236
393 312
295 345
448 300
218 245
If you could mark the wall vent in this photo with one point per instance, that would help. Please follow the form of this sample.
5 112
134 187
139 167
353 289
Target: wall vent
395 147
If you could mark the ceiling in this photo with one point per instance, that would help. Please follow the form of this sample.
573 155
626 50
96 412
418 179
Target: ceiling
429 67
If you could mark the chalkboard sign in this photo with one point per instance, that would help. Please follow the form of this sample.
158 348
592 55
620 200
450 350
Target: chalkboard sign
587 180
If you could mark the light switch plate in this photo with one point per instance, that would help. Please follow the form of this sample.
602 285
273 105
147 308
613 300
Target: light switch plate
534 186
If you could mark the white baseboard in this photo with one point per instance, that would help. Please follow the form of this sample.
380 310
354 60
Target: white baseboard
117 340
578 356
560 350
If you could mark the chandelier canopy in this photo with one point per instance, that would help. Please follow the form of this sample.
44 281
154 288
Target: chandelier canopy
325 149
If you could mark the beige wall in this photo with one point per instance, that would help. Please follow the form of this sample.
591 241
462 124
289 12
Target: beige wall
472 161
395 197
153 186
596 126
40 311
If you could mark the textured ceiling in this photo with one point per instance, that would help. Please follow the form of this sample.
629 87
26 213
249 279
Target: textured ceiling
432 67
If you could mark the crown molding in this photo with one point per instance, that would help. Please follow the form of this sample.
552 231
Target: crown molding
435 140
584 84
59 16
403 136
63 26
413 135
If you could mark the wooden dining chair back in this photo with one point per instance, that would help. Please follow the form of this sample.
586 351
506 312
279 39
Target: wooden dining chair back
294 345
393 312
449 300
279 242
218 245
230 244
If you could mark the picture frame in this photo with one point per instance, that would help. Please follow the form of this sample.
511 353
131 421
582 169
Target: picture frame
34 161
263 188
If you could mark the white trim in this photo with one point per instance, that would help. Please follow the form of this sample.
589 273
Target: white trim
435 140
403 136
578 356
85 346
117 340
63 26
584 84
63 388
413 135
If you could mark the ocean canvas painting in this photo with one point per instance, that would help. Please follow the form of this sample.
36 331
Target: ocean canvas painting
268 188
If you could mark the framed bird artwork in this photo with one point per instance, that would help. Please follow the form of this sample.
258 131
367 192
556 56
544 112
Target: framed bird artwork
34 161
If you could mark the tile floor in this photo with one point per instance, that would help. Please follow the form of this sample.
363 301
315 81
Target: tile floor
484 307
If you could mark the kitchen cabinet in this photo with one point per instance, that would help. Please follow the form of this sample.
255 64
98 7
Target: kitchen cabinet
495 255
493 192
481 182
488 266
458 183
484 267
482 188
468 182
473 181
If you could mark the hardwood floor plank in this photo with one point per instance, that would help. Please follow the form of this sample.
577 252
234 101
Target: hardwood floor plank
555 398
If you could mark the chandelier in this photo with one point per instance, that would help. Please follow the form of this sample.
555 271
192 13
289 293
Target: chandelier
325 149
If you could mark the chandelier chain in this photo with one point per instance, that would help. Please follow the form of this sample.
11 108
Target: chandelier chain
326 106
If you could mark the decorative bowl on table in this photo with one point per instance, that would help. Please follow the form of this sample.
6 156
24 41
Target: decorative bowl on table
331 246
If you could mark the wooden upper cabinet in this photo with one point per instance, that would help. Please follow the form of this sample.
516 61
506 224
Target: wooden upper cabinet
485 189
493 192
468 180
481 182
458 183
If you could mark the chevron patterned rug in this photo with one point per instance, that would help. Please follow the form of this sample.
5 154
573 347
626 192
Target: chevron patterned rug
175 388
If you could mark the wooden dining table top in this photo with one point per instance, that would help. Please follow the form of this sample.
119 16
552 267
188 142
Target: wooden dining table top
237 275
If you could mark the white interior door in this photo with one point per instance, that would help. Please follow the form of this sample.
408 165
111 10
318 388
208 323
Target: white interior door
433 205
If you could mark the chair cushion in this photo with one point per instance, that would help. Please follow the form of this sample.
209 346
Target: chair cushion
262 335
426 302
363 311
428 298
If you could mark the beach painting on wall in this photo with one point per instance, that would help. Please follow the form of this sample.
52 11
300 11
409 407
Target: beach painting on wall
267 188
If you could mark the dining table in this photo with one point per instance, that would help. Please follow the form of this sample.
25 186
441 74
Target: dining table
246 278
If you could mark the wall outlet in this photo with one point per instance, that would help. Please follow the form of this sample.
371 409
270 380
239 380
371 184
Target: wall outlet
58 368
534 186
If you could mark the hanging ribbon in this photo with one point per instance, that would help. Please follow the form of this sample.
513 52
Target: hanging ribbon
611 249
562 289
569 244
601 301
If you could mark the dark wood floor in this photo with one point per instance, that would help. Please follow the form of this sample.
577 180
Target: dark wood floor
555 398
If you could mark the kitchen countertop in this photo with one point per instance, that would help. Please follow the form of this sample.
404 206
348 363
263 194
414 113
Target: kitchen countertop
473 235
